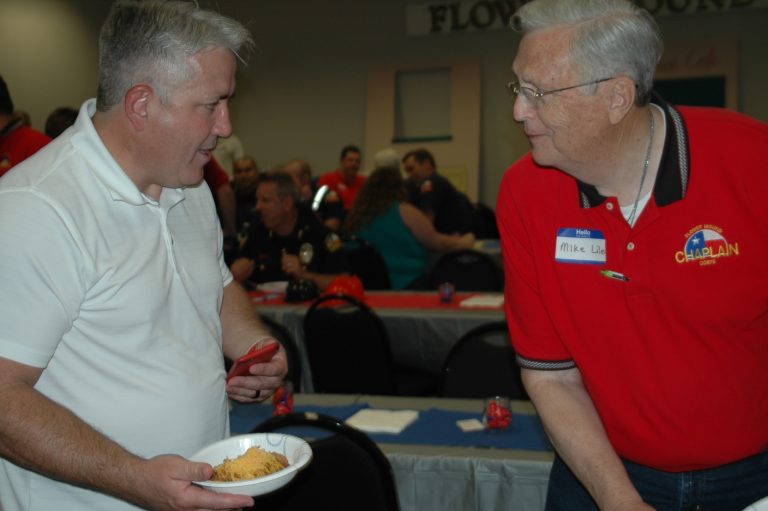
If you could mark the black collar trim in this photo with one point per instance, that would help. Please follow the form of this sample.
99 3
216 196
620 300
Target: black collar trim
11 126
674 169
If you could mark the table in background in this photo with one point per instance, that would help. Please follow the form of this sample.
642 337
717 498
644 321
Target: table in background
421 329
437 477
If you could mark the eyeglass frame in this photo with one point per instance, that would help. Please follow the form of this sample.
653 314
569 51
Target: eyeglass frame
515 89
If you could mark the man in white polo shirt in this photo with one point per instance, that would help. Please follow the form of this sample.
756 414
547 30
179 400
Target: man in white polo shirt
115 302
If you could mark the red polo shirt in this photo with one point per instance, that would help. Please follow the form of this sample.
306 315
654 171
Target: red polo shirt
346 191
17 143
675 357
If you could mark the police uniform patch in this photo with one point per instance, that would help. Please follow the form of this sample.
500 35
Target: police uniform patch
332 242
306 253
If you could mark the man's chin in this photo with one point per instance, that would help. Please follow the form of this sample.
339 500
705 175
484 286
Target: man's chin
541 157
193 177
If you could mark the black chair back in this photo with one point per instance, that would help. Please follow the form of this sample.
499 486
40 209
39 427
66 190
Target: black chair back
482 364
347 347
348 471
484 222
467 270
367 263
291 349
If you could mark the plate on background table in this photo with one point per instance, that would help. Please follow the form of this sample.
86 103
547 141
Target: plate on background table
296 450
278 286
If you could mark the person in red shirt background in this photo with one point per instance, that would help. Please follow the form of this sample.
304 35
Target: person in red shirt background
17 140
343 185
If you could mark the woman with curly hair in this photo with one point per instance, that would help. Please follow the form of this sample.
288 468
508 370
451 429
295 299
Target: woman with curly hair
402 234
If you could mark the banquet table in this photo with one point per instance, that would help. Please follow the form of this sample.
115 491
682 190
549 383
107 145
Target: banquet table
421 328
436 465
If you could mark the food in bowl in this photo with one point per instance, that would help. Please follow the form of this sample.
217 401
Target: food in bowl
255 462
295 449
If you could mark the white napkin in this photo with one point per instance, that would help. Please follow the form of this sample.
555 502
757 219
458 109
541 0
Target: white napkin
382 421
483 300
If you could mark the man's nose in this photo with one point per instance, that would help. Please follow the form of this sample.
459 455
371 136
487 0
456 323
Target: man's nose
522 109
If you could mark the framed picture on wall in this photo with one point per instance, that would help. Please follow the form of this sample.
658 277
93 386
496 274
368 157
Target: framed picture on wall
699 73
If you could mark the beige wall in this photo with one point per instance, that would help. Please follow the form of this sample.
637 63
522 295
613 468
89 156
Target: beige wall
304 92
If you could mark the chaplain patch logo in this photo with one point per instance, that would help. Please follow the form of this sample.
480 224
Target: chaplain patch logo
705 244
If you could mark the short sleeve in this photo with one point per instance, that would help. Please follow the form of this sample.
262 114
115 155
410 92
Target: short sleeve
533 335
42 276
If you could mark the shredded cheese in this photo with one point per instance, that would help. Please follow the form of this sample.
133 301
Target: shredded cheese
255 462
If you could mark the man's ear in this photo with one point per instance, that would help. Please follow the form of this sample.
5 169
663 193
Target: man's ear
622 98
137 101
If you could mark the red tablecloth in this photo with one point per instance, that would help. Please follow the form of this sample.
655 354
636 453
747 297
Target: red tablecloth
388 300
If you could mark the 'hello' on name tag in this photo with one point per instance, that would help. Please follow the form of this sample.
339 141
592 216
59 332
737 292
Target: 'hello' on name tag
580 246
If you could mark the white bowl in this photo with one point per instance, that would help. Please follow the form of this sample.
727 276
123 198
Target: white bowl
298 452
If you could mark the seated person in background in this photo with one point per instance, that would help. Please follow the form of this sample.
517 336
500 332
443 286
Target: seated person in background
18 141
301 173
399 231
449 210
246 177
288 242
343 185
59 120
23 115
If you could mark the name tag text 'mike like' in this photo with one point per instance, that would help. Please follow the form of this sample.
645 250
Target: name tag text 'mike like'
580 246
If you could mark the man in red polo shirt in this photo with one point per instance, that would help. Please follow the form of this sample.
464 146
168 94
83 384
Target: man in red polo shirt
17 140
634 240
345 181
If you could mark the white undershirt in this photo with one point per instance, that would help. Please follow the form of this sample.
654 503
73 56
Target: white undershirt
627 210
643 201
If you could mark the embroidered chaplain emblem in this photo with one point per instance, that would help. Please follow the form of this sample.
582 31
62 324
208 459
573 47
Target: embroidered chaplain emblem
706 244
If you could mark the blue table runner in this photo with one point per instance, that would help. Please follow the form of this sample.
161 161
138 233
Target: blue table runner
434 426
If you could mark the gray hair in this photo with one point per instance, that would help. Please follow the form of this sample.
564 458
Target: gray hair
386 158
285 184
151 41
615 37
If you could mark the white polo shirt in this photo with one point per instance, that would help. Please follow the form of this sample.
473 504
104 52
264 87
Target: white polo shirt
117 297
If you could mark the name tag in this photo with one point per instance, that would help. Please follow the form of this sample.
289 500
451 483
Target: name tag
580 246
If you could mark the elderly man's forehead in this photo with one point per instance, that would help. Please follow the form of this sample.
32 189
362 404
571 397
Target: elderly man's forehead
544 55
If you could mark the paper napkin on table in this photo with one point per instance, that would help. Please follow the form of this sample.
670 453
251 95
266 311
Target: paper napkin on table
483 300
382 421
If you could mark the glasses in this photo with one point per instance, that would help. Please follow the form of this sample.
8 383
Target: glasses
515 89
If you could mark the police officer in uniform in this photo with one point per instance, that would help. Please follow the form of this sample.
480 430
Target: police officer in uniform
288 242
449 209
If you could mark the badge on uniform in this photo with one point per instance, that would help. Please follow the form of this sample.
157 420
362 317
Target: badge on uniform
306 253
332 242
580 246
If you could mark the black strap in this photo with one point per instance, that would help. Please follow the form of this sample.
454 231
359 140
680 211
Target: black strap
17 123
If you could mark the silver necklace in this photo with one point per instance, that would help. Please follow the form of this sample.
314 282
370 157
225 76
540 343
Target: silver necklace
631 218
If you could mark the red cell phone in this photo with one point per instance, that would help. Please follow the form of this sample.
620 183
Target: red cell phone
254 356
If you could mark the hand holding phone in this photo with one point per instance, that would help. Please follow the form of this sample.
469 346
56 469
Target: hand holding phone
254 356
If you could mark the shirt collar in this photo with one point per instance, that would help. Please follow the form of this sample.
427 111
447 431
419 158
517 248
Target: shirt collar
674 168
106 169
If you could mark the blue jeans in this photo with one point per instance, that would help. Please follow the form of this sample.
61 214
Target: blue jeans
730 487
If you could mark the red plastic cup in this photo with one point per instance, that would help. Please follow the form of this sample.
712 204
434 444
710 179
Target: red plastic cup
497 414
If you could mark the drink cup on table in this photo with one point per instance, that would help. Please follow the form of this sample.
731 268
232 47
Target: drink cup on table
497 414
446 290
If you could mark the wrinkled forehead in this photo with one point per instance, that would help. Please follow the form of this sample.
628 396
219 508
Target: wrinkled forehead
544 56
